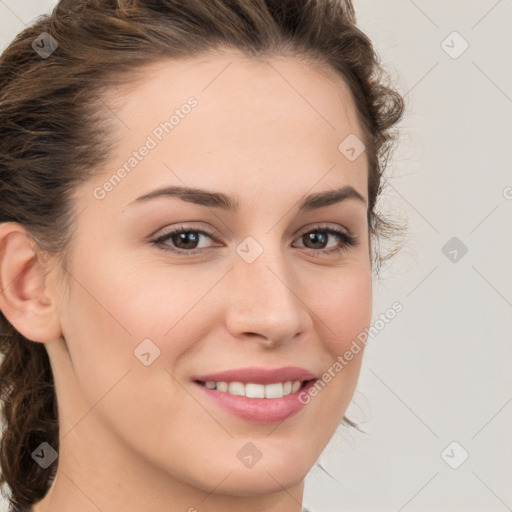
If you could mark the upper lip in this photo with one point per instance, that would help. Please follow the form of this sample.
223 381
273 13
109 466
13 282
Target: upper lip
259 375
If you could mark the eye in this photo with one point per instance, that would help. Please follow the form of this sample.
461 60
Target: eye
186 240
320 236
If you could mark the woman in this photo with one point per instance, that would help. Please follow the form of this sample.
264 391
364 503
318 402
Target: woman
187 244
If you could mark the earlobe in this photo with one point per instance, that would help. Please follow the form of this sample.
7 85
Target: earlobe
25 299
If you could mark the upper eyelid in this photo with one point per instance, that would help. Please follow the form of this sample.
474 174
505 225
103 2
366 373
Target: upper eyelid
214 233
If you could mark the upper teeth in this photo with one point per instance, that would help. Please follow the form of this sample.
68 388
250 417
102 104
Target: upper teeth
250 390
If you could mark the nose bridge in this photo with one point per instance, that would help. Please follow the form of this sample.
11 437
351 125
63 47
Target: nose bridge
264 299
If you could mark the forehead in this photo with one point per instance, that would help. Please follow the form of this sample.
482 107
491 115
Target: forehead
265 121
229 80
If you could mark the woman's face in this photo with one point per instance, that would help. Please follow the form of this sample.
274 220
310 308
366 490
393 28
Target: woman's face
258 285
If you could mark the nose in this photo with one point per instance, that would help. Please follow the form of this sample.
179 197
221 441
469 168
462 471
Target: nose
265 302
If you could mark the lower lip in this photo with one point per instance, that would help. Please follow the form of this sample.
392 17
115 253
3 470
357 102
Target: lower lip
258 410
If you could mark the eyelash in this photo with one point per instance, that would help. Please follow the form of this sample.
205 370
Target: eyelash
347 240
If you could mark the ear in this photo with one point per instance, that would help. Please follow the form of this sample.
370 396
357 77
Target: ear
25 299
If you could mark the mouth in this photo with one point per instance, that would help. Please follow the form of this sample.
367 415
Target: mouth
254 390
257 395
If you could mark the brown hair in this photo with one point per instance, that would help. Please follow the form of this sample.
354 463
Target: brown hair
55 132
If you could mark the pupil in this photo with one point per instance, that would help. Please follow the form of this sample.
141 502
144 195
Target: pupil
182 237
315 237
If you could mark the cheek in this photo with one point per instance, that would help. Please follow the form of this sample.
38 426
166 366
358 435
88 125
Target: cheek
343 305
344 311
114 307
356 304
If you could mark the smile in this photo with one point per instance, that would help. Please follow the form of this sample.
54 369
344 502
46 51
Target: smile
253 390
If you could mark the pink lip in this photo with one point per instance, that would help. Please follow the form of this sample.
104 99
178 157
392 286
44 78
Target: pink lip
259 375
258 410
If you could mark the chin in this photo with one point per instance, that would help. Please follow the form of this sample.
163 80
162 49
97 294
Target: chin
261 482
269 475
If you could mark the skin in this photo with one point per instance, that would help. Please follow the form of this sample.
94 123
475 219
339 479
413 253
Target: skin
137 437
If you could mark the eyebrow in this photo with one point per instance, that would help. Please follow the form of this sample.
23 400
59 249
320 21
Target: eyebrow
225 202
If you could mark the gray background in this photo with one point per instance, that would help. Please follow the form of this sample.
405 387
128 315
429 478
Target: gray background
440 371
